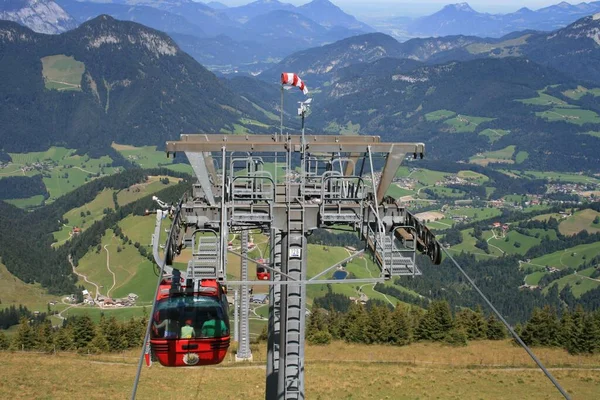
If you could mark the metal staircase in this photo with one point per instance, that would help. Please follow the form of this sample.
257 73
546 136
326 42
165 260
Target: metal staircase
293 317
244 352
206 256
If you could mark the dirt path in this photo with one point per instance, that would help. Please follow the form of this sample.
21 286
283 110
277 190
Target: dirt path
84 277
109 270
496 247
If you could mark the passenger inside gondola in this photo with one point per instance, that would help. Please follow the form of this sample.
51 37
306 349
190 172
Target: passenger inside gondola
189 317
213 327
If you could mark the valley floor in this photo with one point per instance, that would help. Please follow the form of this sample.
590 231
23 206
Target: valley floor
482 370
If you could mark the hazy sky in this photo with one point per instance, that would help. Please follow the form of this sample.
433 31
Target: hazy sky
419 7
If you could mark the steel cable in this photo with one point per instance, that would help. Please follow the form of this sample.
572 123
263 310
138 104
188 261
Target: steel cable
512 332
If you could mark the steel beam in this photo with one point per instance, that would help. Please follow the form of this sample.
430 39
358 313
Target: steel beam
326 147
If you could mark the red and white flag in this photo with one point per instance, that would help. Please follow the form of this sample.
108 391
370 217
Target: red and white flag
292 79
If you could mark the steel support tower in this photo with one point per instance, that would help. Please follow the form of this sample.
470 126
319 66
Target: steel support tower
327 182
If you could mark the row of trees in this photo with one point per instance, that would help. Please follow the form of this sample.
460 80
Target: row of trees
79 333
377 323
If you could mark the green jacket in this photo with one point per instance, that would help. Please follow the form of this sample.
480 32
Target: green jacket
211 329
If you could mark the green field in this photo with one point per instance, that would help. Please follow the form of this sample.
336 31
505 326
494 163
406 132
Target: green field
132 272
546 100
534 278
581 91
139 190
13 292
558 176
30 202
474 214
574 116
572 257
494 134
504 155
95 208
62 169
521 156
473 176
428 177
465 123
581 220
592 133
525 242
550 233
62 73
150 157
439 115
396 192
580 282
448 193
468 245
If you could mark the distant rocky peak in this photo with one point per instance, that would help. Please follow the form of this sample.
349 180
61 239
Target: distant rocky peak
104 30
463 7
43 16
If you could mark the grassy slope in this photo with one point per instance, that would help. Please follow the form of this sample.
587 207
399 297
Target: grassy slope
417 371
581 220
13 291
564 258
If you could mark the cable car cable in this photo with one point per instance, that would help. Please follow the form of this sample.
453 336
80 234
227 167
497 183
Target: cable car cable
149 326
512 332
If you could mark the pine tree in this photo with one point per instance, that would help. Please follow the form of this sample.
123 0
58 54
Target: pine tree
495 329
113 333
134 332
25 338
567 326
335 322
401 327
98 344
436 323
4 342
590 335
45 336
355 324
577 344
83 331
64 339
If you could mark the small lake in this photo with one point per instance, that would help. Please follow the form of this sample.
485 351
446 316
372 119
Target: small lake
340 275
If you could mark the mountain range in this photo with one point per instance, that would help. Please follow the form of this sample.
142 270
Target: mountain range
107 80
462 19
574 50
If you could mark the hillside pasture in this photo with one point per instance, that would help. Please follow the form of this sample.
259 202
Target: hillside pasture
96 207
507 243
572 257
468 245
571 115
149 157
132 272
29 202
580 221
62 72
481 370
439 115
62 169
473 176
504 156
559 176
139 190
465 123
544 99
581 91
580 282
494 135
14 291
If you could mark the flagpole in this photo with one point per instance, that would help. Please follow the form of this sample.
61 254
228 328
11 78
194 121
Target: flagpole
280 131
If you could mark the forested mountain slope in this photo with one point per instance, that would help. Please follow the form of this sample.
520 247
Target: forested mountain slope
106 81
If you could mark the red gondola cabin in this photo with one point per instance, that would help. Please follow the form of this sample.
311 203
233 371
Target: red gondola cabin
190 329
